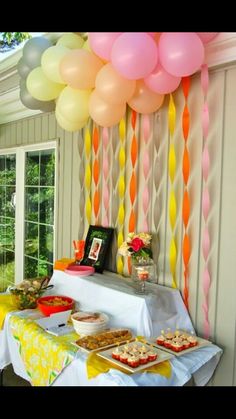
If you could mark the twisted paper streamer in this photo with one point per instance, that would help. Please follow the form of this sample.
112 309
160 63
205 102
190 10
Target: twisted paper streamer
121 187
146 131
133 179
105 167
172 199
96 174
186 249
206 279
88 204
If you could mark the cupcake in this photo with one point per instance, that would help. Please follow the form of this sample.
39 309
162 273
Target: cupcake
177 346
160 340
152 356
192 340
124 358
133 361
184 336
167 343
117 353
186 344
143 349
169 335
143 358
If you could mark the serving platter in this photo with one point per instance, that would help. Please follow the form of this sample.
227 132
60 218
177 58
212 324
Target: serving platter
161 356
80 270
127 338
201 344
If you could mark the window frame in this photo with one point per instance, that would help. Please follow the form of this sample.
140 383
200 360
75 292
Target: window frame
20 153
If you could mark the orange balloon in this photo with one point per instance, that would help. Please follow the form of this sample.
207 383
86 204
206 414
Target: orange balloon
112 87
103 113
79 69
144 100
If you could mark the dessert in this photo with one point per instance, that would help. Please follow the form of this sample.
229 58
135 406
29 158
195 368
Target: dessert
133 361
143 358
192 340
160 340
117 353
152 356
177 346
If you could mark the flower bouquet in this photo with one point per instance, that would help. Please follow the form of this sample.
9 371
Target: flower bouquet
26 294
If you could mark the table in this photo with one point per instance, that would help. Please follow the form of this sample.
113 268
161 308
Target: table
146 315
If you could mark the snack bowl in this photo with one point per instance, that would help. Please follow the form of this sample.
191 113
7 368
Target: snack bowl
87 323
54 304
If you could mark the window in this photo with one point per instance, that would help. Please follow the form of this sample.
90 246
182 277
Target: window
27 197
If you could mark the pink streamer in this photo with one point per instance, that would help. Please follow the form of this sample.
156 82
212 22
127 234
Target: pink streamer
105 136
204 79
105 221
146 164
146 127
205 163
105 196
206 243
145 199
206 283
145 226
205 120
205 203
105 166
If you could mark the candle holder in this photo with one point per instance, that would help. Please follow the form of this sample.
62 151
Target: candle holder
142 270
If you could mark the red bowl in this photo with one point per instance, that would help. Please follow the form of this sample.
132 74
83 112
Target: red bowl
67 303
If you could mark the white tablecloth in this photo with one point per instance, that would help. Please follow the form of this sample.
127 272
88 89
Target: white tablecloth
145 315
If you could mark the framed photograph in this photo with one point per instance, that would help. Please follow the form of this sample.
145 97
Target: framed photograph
97 245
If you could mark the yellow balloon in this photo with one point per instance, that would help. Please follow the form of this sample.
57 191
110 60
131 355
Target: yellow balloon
40 87
73 104
71 41
50 62
87 46
67 125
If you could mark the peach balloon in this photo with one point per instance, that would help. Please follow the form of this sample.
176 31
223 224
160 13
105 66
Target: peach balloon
79 69
105 114
112 87
144 100
68 125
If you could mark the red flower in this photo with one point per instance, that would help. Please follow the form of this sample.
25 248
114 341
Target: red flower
136 244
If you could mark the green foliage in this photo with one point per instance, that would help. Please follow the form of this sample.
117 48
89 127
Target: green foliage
9 40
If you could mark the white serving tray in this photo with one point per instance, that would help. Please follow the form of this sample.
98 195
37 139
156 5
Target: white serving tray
201 343
161 356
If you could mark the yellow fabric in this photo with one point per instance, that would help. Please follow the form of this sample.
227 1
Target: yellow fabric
6 305
97 365
44 355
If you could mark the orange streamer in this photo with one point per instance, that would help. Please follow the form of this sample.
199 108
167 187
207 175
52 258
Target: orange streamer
132 222
186 86
186 250
186 165
186 208
96 171
185 122
132 189
133 119
134 150
96 203
95 140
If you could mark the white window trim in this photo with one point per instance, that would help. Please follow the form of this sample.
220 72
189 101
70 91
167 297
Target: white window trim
20 153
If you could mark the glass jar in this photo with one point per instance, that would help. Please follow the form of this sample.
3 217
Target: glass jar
143 270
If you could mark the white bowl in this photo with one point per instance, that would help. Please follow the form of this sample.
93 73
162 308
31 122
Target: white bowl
87 327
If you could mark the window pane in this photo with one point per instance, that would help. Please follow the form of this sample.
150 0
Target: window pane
46 243
2 170
31 204
10 234
46 205
32 168
10 170
44 269
47 168
10 201
31 268
31 239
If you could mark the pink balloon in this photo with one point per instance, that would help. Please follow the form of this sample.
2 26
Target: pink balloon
181 53
134 55
102 42
152 34
162 82
207 36
144 100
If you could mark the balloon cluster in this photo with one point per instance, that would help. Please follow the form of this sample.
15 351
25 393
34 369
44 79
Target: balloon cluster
99 77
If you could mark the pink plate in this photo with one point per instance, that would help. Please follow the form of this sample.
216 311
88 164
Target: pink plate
80 270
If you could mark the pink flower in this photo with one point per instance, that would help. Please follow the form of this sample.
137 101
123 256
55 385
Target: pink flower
136 244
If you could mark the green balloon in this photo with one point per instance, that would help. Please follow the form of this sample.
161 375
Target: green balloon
33 50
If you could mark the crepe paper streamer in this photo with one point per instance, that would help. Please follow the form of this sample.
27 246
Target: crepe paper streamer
105 137
146 164
145 199
122 157
120 239
121 189
121 214
171 115
205 203
121 186
132 190
122 129
205 120
146 128
173 259
186 248
172 163
96 172
133 119
204 79
206 244
96 203
105 196
105 167
88 209
172 210
186 208
186 165
88 177
87 143
134 150
95 140
120 265
132 221
205 163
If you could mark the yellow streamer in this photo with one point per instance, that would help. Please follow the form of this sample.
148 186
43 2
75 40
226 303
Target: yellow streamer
87 143
121 186
171 115
88 209
120 239
121 214
122 158
122 129
119 265
172 209
88 177
172 162
173 257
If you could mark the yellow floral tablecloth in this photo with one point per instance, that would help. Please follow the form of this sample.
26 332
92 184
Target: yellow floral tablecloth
6 306
44 355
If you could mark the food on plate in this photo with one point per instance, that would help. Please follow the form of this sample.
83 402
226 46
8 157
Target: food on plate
133 361
152 356
192 340
177 340
90 318
56 301
160 340
100 340
117 353
124 357
143 359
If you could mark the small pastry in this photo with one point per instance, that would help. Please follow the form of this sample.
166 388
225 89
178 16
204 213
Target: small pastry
124 358
133 361
160 340
186 344
143 358
117 353
168 343
192 340
152 356
177 346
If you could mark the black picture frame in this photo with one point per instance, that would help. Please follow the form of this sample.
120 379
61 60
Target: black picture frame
96 248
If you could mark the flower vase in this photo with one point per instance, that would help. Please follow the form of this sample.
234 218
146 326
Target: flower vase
143 269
